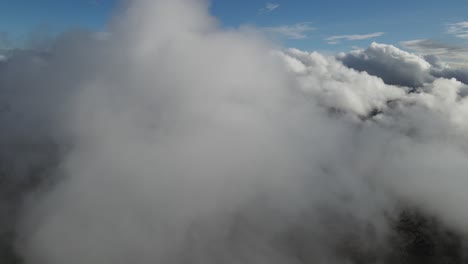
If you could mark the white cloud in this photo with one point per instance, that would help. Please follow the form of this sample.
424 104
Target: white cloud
296 31
269 7
459 30
335 39
223 152
338 87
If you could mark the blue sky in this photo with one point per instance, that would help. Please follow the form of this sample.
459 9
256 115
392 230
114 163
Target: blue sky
305 24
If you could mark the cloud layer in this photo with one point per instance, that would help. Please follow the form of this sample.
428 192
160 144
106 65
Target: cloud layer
171 140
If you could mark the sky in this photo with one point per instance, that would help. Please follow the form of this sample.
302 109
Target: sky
327 26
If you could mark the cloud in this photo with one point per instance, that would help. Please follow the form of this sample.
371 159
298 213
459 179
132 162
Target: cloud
399 67
433 111
393 65
296 31
452 54
448 61
335 39
339 87
459 30
133 148
269 7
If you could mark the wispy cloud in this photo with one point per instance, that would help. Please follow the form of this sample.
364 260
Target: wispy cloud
269 7
455 55
296 31
337 39
459 30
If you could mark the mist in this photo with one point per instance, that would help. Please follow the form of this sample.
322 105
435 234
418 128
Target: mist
169 139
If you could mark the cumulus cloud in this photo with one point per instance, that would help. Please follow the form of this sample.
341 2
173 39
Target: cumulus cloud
393 65
295 31
399 67
339 87
135 148
336 39
269 7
